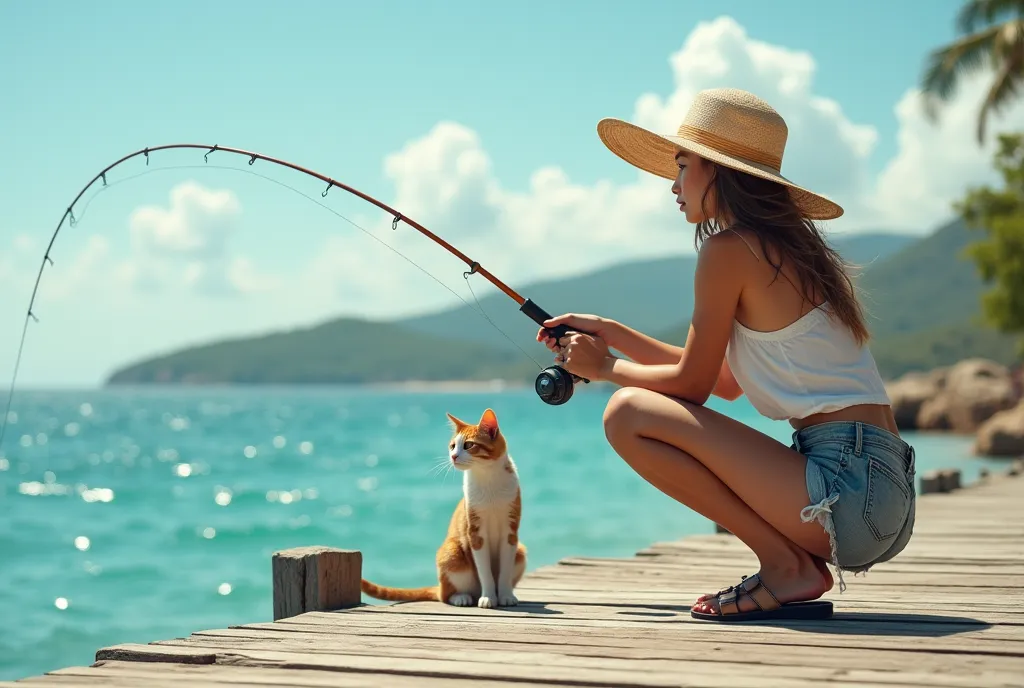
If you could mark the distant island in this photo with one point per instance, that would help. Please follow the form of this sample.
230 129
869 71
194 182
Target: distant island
922 293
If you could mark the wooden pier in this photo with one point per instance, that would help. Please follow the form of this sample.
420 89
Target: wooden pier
949 611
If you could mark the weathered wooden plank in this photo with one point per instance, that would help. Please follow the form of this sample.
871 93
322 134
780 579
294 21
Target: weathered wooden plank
839 632
655 646
557 657
683 595
467 666
915 553
643 569
988 610
660 574
948 568
577 671
133 674
851 623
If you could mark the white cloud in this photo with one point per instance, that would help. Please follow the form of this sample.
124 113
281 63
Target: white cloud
196 224
186 245
936 162
445 177
824 150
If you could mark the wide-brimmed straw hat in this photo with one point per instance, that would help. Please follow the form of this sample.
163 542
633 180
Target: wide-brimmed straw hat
728 126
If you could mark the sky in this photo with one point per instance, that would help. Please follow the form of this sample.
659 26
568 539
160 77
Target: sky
478 120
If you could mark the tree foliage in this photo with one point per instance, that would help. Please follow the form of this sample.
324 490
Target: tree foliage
987 42
1000 257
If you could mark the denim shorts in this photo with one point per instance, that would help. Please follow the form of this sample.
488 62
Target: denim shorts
860 479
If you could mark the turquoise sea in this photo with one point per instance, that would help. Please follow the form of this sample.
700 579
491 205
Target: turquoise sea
143 514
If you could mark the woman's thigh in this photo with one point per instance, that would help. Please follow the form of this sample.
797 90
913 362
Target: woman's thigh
767 475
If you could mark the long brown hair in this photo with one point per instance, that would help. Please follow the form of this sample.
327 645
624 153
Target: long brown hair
765 208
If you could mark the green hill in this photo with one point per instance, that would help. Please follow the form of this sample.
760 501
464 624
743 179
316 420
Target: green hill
924 285
344 351
922 295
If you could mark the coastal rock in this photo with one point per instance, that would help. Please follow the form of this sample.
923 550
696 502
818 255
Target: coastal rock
1002 434
976 389
935 413
910 392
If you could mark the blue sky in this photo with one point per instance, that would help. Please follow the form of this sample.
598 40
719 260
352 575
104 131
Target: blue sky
339 86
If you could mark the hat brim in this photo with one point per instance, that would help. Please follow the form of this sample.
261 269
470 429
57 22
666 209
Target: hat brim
655 153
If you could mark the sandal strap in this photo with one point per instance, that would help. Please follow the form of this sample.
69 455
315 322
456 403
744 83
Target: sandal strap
754 588
728 603
759 592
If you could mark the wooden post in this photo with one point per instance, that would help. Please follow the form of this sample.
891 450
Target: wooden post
945 480
315 578
950 479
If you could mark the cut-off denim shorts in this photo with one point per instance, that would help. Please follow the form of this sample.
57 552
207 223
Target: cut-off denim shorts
860 479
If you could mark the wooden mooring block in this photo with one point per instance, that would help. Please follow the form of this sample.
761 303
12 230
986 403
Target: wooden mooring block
945 480
315 578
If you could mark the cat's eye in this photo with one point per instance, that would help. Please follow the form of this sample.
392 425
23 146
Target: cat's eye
468 445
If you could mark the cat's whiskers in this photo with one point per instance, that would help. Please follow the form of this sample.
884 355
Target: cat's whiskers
443 462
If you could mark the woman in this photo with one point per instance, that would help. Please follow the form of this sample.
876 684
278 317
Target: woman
776 318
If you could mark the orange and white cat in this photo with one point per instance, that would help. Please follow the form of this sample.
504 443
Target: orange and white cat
481 560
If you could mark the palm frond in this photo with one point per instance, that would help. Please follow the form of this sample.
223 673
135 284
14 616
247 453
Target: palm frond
977 12
1004 88
946 65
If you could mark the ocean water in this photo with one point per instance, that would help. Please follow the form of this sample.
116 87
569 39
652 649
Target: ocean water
144 514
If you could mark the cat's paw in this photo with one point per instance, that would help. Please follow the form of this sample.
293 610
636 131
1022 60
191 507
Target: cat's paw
507 599
461 599
487 601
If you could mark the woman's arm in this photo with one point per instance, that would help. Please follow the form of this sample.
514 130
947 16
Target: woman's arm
647 350
640 347
697 372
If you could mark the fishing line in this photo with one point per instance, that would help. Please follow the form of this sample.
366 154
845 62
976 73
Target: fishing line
479 307
554 385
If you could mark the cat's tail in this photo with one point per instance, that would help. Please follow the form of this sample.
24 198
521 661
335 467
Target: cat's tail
382 592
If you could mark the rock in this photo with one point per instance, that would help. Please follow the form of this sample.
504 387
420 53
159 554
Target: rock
909 392
966 395
1002 434
934 413
976 390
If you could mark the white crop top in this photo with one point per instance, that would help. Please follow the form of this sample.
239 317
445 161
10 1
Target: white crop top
811 366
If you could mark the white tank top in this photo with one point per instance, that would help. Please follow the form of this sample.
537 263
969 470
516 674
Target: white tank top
811 366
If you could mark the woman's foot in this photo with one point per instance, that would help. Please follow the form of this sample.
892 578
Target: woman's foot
826 575
804 578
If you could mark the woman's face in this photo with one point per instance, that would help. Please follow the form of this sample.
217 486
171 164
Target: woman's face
692 179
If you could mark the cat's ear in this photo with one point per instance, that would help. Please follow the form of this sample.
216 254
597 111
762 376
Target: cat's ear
455 422
489 423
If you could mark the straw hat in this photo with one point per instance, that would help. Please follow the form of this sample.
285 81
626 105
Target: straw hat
731 127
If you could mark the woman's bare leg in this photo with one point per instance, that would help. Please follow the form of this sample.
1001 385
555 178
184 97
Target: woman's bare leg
732 474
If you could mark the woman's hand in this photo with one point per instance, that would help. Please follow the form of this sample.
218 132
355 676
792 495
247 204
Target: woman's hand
591 324
585 351
584 355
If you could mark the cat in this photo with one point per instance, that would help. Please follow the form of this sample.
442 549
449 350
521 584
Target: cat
481 560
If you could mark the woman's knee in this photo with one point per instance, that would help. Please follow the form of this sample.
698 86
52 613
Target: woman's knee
621 414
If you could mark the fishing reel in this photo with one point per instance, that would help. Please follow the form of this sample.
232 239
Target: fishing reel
554 385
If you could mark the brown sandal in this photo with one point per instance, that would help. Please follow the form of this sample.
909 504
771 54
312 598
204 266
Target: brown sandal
768 607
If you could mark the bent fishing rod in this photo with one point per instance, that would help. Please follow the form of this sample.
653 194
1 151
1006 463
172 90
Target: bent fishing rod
554 384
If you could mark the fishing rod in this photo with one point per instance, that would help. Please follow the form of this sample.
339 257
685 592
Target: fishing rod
554 384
